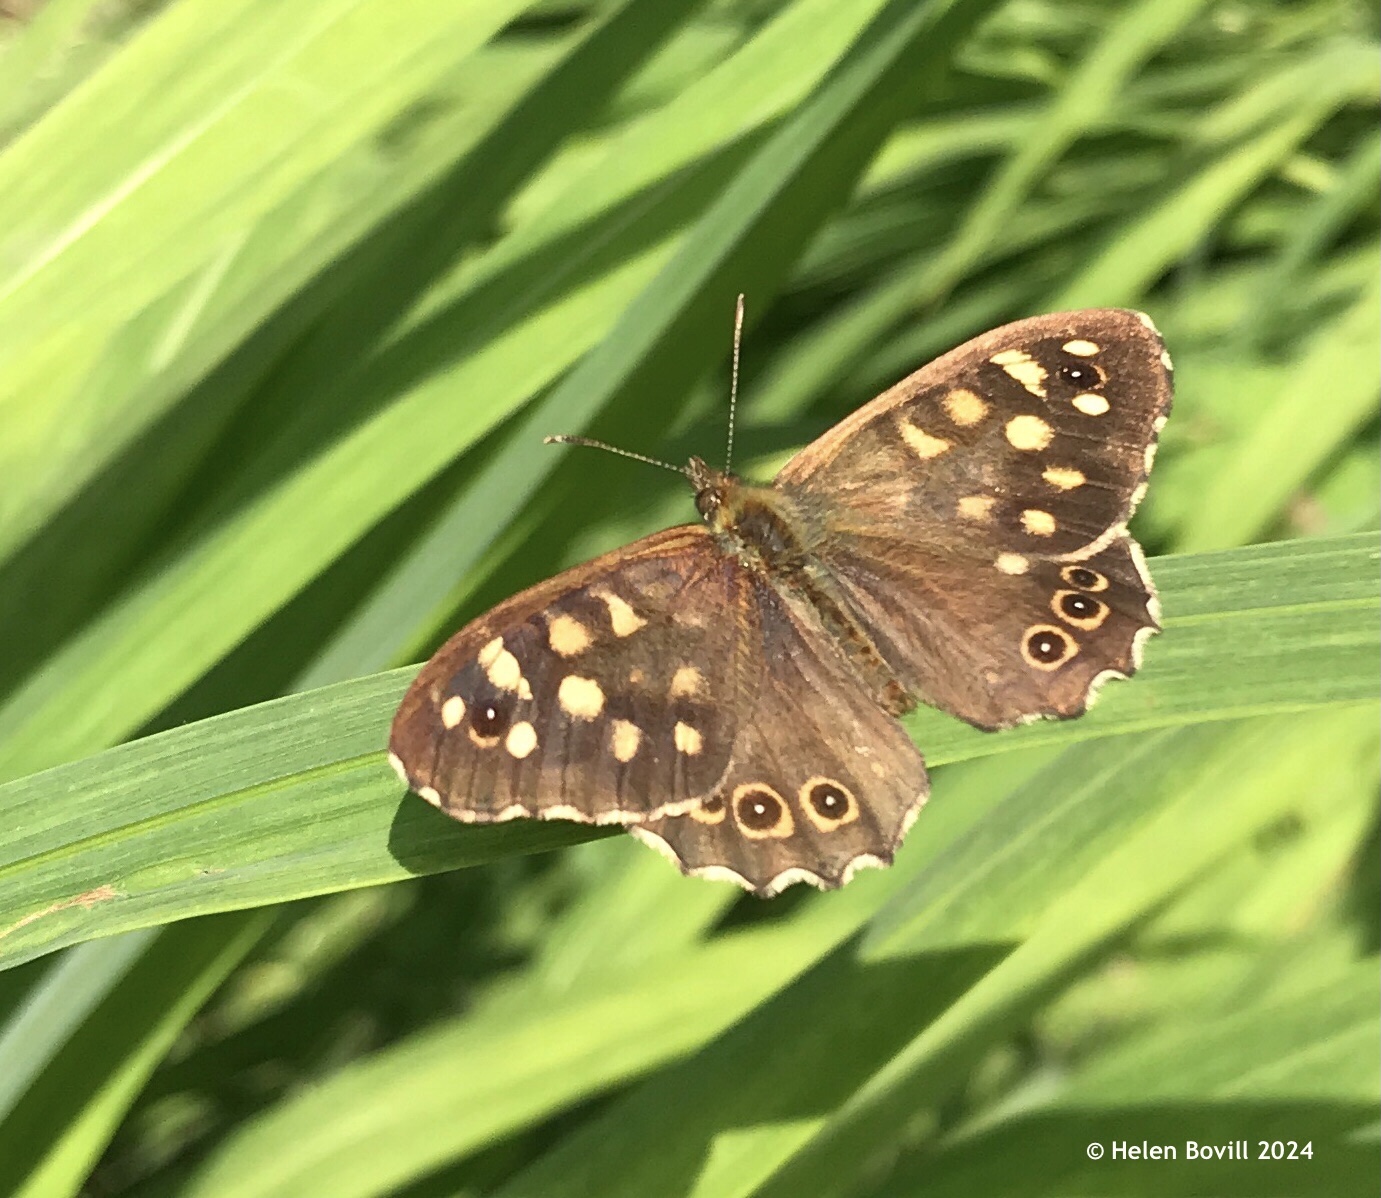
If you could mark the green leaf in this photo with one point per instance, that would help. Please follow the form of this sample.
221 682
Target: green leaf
1082 103
210 817
1200 1078
147 990
1294 436
448 1091
166 209
1140 253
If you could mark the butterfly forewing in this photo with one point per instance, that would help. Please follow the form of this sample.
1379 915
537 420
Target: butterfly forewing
607 694
1034 437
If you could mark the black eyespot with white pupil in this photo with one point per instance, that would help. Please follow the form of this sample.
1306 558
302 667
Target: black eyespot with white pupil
830 801
1080 607
1081 577
1047 646
759 810
490 717
827 803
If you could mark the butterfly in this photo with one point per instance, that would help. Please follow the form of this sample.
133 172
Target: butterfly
731 690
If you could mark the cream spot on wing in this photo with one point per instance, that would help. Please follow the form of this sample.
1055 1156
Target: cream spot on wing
1038 523
567 636
490 652
688 740
521 739
453 711
431 794
624 739
686 681
622 617
504 672
1012 563
396 763
1064 478
965 407
1148 322
1081 348
1029 432
921 443
580 698
976 507
1149 457
1024 368
1165 360
1090 403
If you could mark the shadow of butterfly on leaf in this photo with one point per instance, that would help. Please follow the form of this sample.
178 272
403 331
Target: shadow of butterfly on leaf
730 690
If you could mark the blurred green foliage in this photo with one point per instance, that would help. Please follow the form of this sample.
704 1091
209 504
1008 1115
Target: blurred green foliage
288 296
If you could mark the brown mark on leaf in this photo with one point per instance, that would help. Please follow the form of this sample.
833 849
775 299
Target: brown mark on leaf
101 894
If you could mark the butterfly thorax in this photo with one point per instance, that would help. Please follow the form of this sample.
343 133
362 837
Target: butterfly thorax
771 535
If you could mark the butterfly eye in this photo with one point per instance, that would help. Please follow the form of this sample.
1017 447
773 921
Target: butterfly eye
707 503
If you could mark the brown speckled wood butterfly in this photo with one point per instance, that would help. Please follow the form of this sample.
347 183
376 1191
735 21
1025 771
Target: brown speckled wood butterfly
730 690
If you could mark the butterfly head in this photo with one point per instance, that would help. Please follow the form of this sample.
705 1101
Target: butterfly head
713 489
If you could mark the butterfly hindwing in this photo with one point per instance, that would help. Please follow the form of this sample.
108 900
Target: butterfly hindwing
997 649
608 694
821 780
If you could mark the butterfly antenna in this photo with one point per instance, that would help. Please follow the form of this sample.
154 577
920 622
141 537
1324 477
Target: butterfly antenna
733 383
568 439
